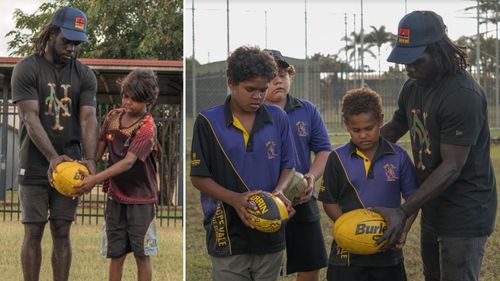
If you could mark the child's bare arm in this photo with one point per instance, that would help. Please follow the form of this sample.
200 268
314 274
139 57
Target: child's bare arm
239 201
332 210
91 180
101 147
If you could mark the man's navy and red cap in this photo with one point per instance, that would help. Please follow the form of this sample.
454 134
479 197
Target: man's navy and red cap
416 30
73 23
278 57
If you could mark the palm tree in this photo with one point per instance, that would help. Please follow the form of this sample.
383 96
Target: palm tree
353 49
377 38
488 9
329 63
487 51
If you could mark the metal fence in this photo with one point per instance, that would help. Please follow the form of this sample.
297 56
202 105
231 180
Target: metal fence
92 206
322 87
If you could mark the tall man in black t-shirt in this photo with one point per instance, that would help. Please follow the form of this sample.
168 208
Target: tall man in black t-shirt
445 111
55 95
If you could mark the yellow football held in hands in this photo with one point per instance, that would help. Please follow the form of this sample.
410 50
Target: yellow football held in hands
68 174
358 230
270 213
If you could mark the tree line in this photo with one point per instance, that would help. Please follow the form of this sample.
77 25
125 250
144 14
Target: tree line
126 29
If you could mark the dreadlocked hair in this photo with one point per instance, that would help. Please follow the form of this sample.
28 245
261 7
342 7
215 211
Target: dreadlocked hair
40 41
452 57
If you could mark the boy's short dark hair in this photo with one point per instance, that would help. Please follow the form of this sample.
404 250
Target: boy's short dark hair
247 63
142 86
361 100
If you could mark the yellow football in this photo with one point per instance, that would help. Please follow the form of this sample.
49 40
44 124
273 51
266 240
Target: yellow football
270 213
68 174
356 231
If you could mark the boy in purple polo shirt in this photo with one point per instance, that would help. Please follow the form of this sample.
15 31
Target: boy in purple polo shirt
239 149
367 172
305 246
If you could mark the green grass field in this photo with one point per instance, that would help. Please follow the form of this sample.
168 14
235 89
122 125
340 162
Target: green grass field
198 263
87 264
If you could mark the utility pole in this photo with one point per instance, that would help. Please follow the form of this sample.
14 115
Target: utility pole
345 50
478 46
362 49
265 22
227 24
356 67
496 70
306 65
193 67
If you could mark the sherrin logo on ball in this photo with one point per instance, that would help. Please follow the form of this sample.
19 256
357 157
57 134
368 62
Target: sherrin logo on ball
357 231
67 174
270 213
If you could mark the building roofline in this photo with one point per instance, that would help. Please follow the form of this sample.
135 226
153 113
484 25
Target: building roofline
108 71
113 63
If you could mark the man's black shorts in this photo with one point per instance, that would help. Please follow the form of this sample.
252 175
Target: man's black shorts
305 247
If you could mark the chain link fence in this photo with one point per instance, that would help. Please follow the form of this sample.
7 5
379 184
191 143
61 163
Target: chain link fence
324 88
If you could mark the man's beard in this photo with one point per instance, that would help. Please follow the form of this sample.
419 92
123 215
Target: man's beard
58 59
431 76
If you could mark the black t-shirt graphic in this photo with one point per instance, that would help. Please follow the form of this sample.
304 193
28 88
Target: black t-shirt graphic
452 111
60 93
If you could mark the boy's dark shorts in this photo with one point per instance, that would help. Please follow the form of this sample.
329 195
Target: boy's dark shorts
42 202
305 247
361 273
129 228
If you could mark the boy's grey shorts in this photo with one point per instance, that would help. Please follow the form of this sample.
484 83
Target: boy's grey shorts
40 203
247 267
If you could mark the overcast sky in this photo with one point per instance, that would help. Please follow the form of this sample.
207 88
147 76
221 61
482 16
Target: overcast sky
284 22
7 23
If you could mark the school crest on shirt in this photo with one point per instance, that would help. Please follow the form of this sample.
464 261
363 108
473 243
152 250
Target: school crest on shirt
301 128
270 150
390 172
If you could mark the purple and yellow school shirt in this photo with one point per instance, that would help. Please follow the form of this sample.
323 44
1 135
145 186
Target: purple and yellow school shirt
353 181
309 135
240 161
